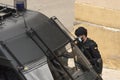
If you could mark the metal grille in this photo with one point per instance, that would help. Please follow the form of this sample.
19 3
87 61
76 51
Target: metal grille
6 12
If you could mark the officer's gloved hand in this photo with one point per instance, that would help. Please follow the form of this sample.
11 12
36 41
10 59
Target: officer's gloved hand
92 61
99 60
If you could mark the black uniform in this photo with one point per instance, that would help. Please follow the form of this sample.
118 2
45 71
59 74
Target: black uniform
90 50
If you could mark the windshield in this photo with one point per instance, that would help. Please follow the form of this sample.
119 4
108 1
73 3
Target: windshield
68 57
75 63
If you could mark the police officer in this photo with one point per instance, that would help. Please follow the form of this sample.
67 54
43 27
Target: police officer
89 49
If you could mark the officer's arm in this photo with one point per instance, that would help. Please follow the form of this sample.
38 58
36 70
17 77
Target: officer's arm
94 50
97 58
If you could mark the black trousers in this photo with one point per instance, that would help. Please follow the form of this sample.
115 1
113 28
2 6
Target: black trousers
98 66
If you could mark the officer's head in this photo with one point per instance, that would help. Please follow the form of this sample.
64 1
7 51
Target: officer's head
81 31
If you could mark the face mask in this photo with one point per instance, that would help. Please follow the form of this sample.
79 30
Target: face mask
80 39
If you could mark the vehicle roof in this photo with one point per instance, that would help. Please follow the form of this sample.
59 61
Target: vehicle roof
15 25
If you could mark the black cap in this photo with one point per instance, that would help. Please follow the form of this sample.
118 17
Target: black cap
81 31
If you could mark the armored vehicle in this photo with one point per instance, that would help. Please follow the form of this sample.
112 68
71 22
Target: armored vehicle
35 47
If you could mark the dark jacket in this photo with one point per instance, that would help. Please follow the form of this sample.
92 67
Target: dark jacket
90 50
